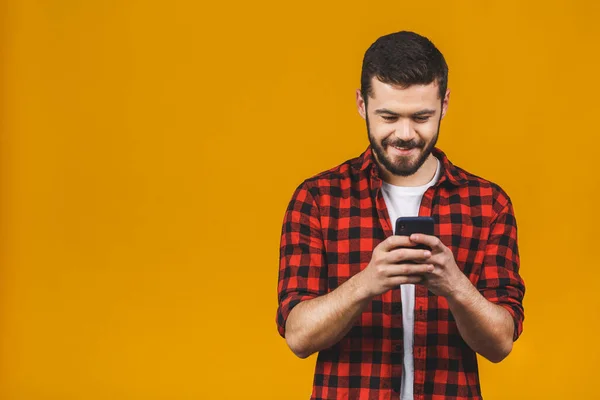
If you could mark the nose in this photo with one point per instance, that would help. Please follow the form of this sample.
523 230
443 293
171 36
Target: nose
404 130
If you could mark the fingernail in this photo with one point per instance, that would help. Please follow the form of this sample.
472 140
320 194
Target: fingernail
430 268
427 253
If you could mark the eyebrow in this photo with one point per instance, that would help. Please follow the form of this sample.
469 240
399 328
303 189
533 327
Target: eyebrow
390 112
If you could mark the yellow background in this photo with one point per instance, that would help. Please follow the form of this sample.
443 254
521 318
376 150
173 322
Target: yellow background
149 149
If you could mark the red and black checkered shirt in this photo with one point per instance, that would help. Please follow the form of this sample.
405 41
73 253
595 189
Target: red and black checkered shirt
331 226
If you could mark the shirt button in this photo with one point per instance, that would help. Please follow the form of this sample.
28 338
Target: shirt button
398 347
397 308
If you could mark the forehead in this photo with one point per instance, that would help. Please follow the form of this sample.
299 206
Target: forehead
411 98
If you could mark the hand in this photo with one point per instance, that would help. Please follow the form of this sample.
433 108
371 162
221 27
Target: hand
446 278
387 269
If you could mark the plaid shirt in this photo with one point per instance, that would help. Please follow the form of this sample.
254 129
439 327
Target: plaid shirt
331 226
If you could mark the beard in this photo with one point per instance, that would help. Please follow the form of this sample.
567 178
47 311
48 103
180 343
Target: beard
407 165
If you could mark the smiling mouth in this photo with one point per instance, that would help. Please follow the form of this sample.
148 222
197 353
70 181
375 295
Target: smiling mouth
403 149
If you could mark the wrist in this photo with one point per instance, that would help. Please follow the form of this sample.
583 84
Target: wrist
461 290
359 290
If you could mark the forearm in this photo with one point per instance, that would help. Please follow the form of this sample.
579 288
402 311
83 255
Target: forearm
486 327
320 323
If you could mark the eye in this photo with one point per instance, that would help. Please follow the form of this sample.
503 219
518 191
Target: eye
420 119
388 118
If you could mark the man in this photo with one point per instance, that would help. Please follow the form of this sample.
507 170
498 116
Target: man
390 321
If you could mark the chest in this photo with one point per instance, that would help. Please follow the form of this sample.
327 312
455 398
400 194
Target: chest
352 226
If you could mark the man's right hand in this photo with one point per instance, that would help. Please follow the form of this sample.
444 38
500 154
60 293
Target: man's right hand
388 268
319 323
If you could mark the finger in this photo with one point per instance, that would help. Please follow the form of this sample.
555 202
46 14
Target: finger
399 255
402 280
434 243
395 241
408 269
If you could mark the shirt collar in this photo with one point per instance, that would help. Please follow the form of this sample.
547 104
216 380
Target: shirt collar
450 173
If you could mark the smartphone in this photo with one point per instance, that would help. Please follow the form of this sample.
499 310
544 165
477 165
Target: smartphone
406 226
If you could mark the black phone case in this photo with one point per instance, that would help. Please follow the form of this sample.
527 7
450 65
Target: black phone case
406 226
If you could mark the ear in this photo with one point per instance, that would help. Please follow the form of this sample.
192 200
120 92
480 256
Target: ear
445 102
360 104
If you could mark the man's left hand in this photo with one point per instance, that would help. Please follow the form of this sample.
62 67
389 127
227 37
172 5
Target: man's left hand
446 279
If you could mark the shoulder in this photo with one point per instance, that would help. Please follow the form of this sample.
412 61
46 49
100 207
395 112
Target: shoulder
332 181
489 191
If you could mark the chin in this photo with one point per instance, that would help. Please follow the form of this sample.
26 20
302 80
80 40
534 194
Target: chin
405 172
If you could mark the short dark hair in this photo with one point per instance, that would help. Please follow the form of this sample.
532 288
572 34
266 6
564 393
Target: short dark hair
403 58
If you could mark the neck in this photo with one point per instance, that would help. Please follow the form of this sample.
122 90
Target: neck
423 175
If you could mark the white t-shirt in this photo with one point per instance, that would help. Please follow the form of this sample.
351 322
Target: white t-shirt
404 201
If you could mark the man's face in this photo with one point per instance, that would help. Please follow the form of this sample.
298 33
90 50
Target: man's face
403 124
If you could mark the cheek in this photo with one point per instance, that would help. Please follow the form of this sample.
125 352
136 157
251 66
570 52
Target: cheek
428 130
380 131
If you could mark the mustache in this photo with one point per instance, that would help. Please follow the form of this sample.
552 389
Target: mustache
405 144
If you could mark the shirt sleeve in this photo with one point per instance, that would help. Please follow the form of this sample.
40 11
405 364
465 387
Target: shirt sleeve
500 282
302 262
